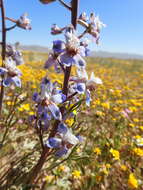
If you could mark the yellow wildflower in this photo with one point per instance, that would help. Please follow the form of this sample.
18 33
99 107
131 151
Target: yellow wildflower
70 121
138 151
61 168
97 151
24 107
141 127
76 174
108 166
9 103
132 181
131 125
133 109
136 120
105 171
49 178
106 105
31 113
100 113
115 154
123 167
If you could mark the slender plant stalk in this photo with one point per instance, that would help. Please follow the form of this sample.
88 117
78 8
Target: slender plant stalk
3 54
46 152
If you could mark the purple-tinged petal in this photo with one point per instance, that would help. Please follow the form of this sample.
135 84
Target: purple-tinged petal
62 128
70 138
88 97
83 17
17 57
51 61
16 80
67 60
80 88
58 98
82 51
53 142
61 152
58 46
82 74
36 97
40 109
45 116
79 61
54 109
7 82
87 52
46 125
80 138
31 118
3 71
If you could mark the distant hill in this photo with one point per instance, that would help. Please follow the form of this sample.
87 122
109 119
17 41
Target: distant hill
35 48
104 54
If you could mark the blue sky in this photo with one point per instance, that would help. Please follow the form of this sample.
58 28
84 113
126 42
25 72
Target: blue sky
124 31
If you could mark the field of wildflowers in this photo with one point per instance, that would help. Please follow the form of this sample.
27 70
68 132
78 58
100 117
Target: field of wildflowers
111 155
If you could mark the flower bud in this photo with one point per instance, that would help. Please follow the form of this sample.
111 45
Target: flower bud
47 1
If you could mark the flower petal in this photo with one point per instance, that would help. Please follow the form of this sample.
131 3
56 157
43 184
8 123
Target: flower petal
7 82
88 98
62 128
3 71
53 142
54 109
16 80
80 88
70 138
61 152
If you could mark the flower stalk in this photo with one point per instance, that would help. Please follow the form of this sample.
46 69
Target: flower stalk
46 151
3 53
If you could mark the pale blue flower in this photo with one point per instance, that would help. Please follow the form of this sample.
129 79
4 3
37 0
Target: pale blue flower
53 142
62 128
11 74
24 22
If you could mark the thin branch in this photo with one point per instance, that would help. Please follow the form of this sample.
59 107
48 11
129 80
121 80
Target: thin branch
11 19
70 97
3 53
11 28
62 67
39 133
65 5
81 35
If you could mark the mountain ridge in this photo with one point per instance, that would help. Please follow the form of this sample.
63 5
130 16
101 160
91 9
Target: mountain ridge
104 54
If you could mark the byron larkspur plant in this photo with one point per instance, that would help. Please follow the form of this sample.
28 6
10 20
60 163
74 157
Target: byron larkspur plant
53 99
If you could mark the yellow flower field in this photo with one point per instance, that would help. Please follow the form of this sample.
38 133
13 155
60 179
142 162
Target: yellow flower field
111 155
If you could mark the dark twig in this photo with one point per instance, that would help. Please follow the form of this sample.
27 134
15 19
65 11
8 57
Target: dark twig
81 35
11 28
65 5
62 67
70 97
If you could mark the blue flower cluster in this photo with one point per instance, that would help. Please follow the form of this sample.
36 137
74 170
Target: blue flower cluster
63 141
10 73
47 103
64 54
